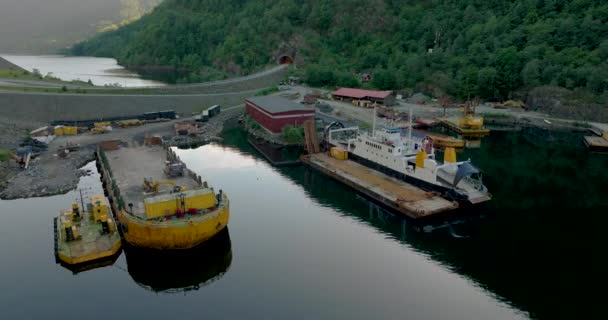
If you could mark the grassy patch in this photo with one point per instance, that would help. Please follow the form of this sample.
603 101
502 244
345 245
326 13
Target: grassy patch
26 75
267 91
497 115
81 90
581 124
293 134
252 124
4 154
17 74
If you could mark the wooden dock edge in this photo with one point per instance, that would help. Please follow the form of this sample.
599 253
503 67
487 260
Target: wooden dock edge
371 194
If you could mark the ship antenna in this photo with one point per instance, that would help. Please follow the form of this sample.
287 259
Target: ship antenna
374 123
409 131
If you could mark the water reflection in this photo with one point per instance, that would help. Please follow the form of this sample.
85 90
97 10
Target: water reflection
180 271
511 246
101 71
83 267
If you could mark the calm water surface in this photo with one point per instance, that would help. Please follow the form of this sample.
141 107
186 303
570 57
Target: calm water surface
100 71
302 246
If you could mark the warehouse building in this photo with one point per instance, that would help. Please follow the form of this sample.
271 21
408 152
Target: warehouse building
273 112
385 98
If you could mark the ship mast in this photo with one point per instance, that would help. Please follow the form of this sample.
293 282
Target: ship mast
374 123
409 131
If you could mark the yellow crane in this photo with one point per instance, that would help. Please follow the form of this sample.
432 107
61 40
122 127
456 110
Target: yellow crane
151 185
470 120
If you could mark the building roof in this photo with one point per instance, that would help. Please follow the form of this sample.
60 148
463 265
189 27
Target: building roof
361 93
275 104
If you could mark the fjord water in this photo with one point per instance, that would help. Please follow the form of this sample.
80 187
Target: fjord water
101 71
302 246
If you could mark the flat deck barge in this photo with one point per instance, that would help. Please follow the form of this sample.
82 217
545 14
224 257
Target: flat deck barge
400 196
596 143
160 209
452 124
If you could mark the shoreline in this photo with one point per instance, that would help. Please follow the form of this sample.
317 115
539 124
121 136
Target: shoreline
50 175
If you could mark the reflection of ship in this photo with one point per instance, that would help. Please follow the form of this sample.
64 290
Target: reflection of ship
472 143
86 238
180 270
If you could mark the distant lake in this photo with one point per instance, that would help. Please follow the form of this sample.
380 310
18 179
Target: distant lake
101 71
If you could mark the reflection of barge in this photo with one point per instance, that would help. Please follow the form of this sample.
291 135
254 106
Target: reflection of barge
173 209
86 235
180 270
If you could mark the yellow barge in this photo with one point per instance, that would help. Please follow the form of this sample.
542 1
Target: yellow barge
86 236
467 126
599 143
160 203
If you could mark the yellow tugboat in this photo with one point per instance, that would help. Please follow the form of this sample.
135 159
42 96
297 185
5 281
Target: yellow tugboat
160 203
86 236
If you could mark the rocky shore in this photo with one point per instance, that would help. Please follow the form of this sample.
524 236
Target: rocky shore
50 174
47 175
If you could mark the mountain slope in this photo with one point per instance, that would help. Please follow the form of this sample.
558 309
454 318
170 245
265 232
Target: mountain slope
32 26
462 48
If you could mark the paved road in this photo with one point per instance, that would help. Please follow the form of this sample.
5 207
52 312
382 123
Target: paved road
187 88
126 134
34 83
45 106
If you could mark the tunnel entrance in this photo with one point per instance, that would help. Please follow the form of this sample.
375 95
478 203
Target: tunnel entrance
285 59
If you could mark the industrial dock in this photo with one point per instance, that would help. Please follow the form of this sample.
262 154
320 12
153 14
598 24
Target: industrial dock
395 194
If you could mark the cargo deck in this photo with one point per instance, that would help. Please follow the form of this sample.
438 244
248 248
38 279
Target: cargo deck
400 196
92 244
170 211
596 143
131 165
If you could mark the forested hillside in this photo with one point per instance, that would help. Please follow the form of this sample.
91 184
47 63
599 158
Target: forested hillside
486 48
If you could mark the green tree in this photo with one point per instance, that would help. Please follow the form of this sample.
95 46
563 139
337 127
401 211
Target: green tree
511 43
531 73
293 134
508 64
487 82
384 80
467 82
598 79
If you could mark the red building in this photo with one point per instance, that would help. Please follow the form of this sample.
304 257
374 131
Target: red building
273 113
381 97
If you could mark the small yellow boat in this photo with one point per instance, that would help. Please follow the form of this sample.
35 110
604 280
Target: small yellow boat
86 236
172 209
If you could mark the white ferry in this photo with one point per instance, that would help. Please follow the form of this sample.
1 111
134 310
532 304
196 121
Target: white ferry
412 159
